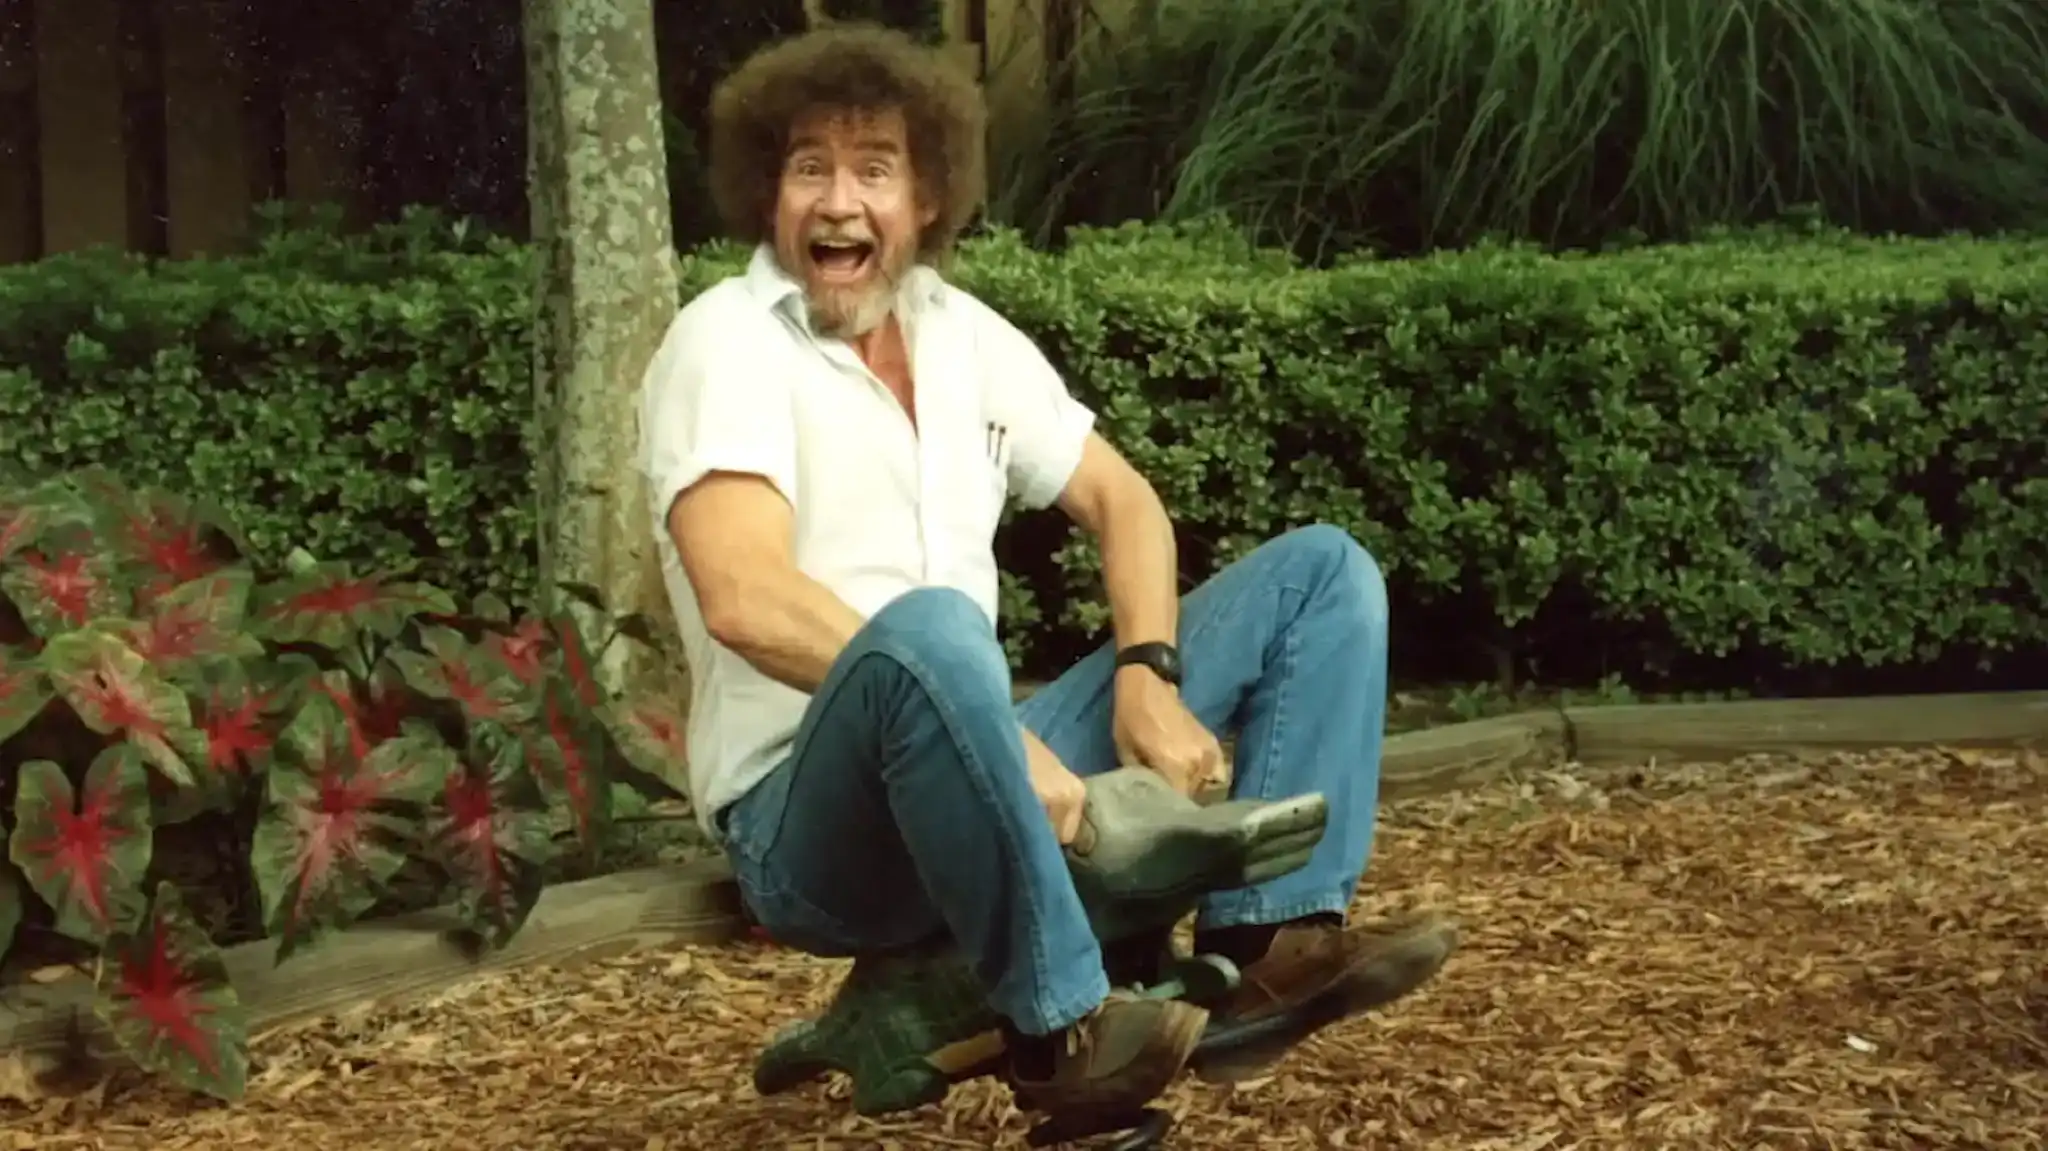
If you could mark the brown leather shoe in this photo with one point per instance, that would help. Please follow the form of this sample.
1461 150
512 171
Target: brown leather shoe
1313 975
1116 1060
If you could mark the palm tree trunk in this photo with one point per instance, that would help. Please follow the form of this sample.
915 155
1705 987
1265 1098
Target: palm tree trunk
607 289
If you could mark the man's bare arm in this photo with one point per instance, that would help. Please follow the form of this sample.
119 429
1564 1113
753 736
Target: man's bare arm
733 532
1140 559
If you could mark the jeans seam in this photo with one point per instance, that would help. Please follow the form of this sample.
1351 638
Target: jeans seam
1244 905
949 717
839 677
1281 673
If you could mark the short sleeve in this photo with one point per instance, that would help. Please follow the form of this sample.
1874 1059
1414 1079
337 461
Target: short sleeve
707 405
1041 427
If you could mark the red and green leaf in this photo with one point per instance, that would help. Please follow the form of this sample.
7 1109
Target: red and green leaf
85 851
338 822
327 605
27 513
373 709
166 996
492 831
238 718
23 691
63 583
164 540
197 623
465 674
12 904
654 736
572 752
523 650
574 659
116 692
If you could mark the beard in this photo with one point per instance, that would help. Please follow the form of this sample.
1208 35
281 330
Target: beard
851 312
848 311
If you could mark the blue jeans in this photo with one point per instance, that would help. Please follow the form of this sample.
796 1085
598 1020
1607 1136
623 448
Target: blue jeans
905 809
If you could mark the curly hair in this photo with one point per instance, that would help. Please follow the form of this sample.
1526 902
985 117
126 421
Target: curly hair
857 68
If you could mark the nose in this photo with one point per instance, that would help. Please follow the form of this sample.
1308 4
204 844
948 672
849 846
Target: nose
841 200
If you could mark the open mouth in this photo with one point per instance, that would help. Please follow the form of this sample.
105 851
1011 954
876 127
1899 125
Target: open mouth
841 259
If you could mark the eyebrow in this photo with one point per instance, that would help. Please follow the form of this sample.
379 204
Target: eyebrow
882 144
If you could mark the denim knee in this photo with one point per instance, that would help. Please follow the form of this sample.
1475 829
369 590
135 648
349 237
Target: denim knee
1343 566
941 630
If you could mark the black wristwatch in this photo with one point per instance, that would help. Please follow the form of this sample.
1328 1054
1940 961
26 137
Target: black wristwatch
1162 658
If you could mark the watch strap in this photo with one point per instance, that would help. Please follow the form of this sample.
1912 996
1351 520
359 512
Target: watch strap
1162 658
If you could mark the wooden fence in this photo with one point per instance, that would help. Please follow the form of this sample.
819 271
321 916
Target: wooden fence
150 125
156 125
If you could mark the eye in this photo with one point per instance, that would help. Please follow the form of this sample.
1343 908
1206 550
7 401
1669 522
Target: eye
878 171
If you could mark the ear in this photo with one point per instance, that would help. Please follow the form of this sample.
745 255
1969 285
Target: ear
926 217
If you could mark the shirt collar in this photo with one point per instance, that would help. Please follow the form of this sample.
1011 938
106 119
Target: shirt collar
779 292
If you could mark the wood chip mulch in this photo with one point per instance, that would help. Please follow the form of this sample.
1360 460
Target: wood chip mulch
1845 952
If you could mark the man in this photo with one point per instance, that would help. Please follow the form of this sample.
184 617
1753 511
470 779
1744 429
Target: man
830 439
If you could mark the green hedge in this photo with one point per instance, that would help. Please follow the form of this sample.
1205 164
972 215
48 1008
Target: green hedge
1818 449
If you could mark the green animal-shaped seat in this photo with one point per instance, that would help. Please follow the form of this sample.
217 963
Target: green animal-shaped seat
906 1026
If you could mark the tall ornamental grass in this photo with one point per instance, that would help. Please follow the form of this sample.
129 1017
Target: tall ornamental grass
1407 125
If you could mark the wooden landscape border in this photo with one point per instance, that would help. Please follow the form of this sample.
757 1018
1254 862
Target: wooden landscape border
406 956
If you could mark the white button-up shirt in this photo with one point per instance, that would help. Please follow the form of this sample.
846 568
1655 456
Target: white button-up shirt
741 383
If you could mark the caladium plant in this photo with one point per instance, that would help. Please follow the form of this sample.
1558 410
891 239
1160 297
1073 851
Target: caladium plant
84 851
24 690
190 626
339 724
570 753
62 581
475 678
493 833
165 995
327 604
654 732
156 539
340 819
118 693
26 515
239 714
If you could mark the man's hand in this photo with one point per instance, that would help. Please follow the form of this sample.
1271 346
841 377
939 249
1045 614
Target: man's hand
1060 790
1154 728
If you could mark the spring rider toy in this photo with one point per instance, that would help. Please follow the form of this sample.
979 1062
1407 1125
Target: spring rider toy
906 1026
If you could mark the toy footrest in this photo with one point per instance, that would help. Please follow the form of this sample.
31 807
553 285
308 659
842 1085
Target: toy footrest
905 1028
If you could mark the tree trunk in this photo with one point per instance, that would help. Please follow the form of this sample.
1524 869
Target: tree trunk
598 187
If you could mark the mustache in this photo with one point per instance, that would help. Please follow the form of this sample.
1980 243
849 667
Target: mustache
839 235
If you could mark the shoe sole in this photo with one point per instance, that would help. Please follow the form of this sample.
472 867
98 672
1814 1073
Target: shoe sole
1231 1052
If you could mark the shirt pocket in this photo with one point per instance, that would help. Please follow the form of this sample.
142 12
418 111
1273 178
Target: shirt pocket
986 491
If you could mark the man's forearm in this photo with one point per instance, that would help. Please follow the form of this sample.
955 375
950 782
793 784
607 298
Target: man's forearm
1140 567
790 628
